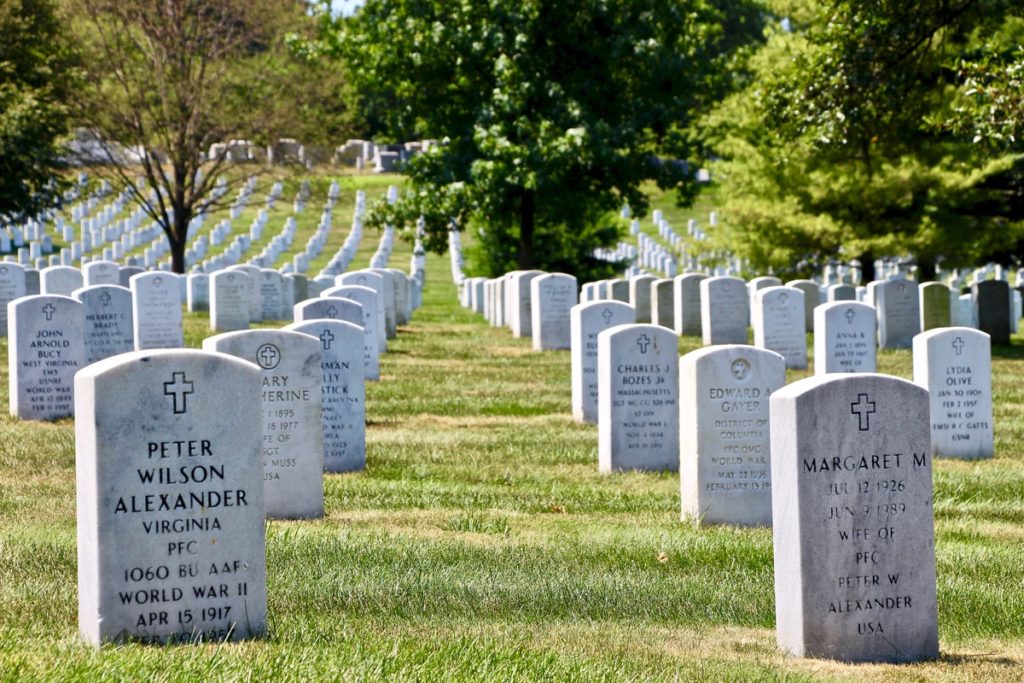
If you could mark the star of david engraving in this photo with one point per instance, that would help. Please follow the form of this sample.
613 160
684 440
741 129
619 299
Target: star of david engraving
863 409
178 388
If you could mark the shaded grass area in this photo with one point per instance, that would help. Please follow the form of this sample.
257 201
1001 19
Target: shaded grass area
481 543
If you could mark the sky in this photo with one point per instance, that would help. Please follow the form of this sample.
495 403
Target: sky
345 6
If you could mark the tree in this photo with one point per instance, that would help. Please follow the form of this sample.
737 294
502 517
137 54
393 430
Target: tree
547 115
37 70
166 80
842 147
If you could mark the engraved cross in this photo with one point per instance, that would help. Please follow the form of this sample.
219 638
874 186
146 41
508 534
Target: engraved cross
958 345
105 299
48 311
849 315
607 315
326 338
643 342
332 312
863 409
178 388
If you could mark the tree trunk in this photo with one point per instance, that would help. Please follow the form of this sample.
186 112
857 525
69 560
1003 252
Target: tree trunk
925 270
867 267
178 241
527 216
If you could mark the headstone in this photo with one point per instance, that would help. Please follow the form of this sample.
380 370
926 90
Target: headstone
12 286
723 310
300 288
101 273
991 299
955 366
842 293
552 297
852 510
844 338
897 306
271 294
387 292
107 321
934 304
373 323
125 274
292 428
375 281
687 315
778 321
170 499
44 351
618 290
663 303
60 280
32 286
812 297
229 300
640 296
255 303
586 322
156 311
198 294
725 459
521 319
329 308
344 392
638 411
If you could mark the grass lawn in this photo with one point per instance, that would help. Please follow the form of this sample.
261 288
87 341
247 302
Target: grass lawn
481 542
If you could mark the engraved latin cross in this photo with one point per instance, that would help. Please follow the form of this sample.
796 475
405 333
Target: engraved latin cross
643 341
863 409
178 388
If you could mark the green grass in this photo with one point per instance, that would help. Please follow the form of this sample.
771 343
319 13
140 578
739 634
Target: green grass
481 543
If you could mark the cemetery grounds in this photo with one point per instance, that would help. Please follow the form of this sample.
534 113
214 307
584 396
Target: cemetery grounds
481 542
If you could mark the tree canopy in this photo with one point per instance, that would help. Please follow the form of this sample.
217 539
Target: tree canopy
37 70
547 115
859 136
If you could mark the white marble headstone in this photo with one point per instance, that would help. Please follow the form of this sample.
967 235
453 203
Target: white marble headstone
44 351
292 427
107 315
778 322
844 338
955 365
724 310
229 300
853 519
586 322
638 387
170 498
552 297
156 311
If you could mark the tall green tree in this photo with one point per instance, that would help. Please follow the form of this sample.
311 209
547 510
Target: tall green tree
37 68
842 145
548 115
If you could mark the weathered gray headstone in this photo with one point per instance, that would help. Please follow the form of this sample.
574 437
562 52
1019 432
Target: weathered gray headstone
586 322
156 311
170 499
638 387
778 321
955 366
521 318
32 286
125 274
292 427
618 290
898 310
44 351
107 321
687 314
934 304
853 513
724 311
725 457
344 392
552 296
991 299
640 296
844 338
663 303
842 293
198 292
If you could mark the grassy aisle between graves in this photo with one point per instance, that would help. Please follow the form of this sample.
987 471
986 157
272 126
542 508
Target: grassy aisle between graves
481 543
